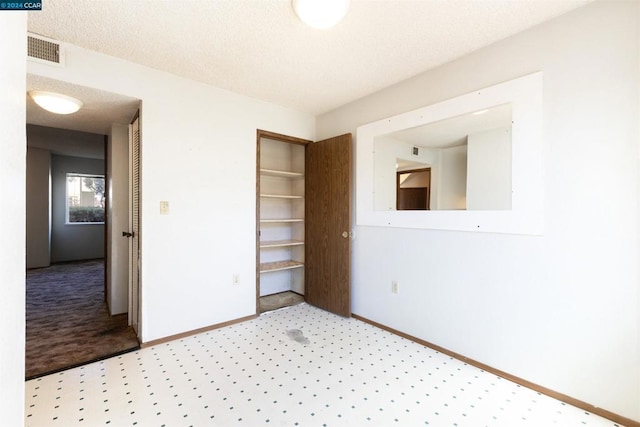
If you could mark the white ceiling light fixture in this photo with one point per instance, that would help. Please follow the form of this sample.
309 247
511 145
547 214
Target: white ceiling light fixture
321 14
55 102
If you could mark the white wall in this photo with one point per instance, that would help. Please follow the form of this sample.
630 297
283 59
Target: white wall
198 153
489 170
451 179
13 27
71 242
118 219
38 208
384 188
561 310
416 180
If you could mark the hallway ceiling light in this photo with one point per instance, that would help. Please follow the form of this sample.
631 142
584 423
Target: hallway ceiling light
321 14
55 102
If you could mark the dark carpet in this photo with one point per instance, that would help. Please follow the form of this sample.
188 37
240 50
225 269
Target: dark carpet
68 323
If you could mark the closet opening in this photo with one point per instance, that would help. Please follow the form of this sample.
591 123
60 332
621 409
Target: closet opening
280 221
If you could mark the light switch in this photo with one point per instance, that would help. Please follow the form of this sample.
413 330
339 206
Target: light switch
164 207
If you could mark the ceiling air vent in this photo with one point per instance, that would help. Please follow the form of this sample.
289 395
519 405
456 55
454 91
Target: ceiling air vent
44 50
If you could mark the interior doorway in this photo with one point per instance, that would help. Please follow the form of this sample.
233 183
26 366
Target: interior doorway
280 220
92 263
413 189
68 321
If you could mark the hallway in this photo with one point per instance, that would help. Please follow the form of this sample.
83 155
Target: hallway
68 322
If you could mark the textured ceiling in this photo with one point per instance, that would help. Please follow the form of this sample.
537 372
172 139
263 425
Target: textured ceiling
259 48
100 109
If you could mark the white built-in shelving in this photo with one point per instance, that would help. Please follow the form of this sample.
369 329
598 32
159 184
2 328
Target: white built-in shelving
281 218
280 243
276 220
281 174
281 196
266 267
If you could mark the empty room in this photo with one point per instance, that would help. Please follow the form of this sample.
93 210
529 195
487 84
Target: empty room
417 213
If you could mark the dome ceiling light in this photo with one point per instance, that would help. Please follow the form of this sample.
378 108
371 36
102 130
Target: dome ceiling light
321 14
55 102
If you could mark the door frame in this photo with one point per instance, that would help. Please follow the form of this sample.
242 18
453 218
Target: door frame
107 227
277 137
428 188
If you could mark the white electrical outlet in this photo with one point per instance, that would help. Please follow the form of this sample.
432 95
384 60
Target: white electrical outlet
164 207
395 288
236 279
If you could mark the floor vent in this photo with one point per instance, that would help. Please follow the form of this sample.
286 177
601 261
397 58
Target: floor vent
44 50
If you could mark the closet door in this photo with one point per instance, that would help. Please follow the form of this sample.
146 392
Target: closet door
134 233
328 224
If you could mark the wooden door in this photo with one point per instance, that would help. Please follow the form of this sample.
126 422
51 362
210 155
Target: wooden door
328 224
412 199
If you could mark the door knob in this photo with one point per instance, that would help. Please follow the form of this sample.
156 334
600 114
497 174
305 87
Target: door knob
345 234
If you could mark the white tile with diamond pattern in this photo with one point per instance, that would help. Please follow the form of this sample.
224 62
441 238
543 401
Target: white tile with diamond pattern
299 366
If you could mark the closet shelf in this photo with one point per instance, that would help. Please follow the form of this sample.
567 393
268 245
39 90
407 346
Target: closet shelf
274 221
267 267
281 174
280 243
280 196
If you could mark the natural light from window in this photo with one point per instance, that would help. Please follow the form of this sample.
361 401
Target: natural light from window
85 199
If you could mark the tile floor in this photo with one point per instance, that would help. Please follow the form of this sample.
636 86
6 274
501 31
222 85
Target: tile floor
298 366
